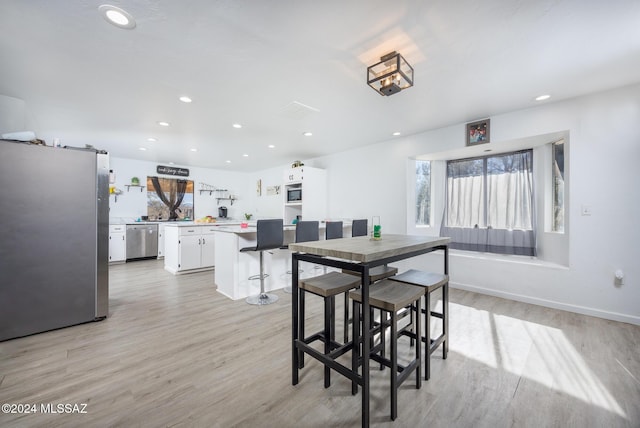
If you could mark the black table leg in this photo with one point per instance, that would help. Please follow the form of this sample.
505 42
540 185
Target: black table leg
366 336
294 311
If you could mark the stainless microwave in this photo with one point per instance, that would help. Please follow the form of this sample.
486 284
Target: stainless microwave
294 194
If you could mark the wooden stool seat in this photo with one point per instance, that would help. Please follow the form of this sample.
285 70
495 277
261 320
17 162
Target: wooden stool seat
387 296
431 282
377 273
329 284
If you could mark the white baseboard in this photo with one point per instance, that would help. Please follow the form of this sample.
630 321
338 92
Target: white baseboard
614 316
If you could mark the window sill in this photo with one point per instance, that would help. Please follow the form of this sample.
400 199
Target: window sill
506 258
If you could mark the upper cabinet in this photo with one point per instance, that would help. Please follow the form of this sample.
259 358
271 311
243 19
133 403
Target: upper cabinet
295 175
305 194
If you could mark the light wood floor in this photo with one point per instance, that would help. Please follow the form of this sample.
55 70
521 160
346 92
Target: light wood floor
176 353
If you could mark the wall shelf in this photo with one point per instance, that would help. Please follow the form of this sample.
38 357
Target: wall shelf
128 186
226 199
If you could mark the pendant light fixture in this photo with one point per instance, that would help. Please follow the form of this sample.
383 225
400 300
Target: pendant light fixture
391 75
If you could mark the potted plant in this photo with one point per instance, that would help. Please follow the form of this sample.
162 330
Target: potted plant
247 216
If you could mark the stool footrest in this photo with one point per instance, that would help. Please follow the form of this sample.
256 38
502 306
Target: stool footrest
435 343
346 372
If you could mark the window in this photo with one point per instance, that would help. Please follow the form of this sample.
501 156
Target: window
489 205
423 193
169 199
558 186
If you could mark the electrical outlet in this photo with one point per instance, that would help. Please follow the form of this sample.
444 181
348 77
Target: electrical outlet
586 210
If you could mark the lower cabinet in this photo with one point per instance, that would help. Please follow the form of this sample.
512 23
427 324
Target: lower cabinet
161 241
189 248
117 243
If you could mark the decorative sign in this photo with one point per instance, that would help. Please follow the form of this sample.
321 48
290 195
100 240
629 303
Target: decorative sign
170 170
273 190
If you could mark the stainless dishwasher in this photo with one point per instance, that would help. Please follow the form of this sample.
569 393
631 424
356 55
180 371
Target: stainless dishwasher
142 241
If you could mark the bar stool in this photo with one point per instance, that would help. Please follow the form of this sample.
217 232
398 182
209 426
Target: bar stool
305 231
270 236
360 228
431 282
391 298
335 230
327 286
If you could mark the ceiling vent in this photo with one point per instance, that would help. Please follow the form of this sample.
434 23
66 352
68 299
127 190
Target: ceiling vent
297 111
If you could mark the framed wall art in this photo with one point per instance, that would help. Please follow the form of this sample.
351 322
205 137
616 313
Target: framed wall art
478 132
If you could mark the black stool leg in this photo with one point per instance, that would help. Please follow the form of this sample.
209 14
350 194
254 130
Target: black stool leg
445 319
427 336
301 335
327 339
394 366
418 347
346 317
355 350
383 340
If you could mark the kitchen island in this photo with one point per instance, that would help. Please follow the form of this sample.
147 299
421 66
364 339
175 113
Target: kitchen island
195 247
234 268
189 247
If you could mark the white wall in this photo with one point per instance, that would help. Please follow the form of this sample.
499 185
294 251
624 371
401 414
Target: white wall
133 204
604 153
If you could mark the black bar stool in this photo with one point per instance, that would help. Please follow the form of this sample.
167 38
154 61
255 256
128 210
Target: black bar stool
327 286
391 298
305 231
269 237
431 282
360 228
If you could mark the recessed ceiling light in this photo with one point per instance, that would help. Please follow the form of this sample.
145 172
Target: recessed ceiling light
307 134
395 134
245 155
228 161
194 150
185 99
163 123
172 163
142 149
271 146
237 125
153 140
118 17
543 97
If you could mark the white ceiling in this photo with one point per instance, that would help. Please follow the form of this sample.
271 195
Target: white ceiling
85 81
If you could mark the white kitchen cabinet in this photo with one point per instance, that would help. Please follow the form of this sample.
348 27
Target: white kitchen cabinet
189 248
313 183
294 175
161 240
117 243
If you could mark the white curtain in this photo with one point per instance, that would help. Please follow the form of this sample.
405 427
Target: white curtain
490 204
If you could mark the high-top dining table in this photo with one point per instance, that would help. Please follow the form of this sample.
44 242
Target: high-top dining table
358 254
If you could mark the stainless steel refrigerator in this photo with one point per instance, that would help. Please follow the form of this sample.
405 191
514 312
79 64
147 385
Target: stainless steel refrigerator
54 237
